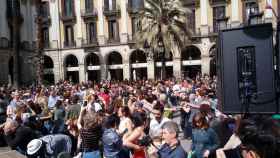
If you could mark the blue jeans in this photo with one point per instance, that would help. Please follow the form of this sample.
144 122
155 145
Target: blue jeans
92 154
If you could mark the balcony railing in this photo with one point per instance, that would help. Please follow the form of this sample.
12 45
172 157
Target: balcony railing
69 44
115 11
131 39
134 8
86 14
4 43
89 43
113 40
68 18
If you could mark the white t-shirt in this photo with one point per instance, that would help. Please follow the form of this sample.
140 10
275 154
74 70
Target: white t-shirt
123 124
155 126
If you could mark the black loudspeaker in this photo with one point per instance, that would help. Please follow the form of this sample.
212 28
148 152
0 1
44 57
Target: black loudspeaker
245 68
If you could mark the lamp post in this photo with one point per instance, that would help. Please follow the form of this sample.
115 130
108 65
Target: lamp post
146 47
162 58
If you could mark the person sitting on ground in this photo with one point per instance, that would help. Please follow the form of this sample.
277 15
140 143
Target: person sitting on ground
49 146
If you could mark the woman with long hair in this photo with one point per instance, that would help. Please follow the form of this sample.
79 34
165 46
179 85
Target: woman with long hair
125 121
90 133
133 141
205 139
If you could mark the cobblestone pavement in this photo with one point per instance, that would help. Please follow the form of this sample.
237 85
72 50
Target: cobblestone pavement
184 142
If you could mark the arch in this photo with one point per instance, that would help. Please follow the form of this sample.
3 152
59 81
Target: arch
71 64
71 61
115 71
92 59
138 71
114 58
92 67
191 53
137 56
48 62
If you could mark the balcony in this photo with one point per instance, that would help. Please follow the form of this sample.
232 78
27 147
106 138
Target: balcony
113 41
4 43
134 7
131 39
112 12
25 45
69 44
68 18
89 14
89 43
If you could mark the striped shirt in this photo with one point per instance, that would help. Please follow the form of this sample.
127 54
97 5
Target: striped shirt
91 138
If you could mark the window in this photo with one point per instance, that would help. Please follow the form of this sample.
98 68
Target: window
89 5
46 36
135 25
68 8
110 4
91 32
191 20
45 9
251 8
113 30
218 14
69 35
136 4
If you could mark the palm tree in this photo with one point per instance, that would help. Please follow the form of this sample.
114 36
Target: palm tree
40 45
163 23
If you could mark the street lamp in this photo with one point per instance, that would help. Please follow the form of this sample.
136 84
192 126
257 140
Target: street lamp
146 47
162 57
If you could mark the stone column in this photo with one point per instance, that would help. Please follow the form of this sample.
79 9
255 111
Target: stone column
56 73
123 29
126 71
235 21
82 73
205 64
103 71
204 17
150 68
177 68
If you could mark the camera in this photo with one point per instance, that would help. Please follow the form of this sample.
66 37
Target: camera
85 104
145 141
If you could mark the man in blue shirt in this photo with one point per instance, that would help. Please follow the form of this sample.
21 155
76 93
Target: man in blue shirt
53 98
172 147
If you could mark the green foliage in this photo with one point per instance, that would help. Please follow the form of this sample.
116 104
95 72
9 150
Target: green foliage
165 20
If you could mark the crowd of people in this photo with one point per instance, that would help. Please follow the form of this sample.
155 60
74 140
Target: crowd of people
131 119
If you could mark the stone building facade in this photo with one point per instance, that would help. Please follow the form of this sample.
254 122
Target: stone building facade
94 39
